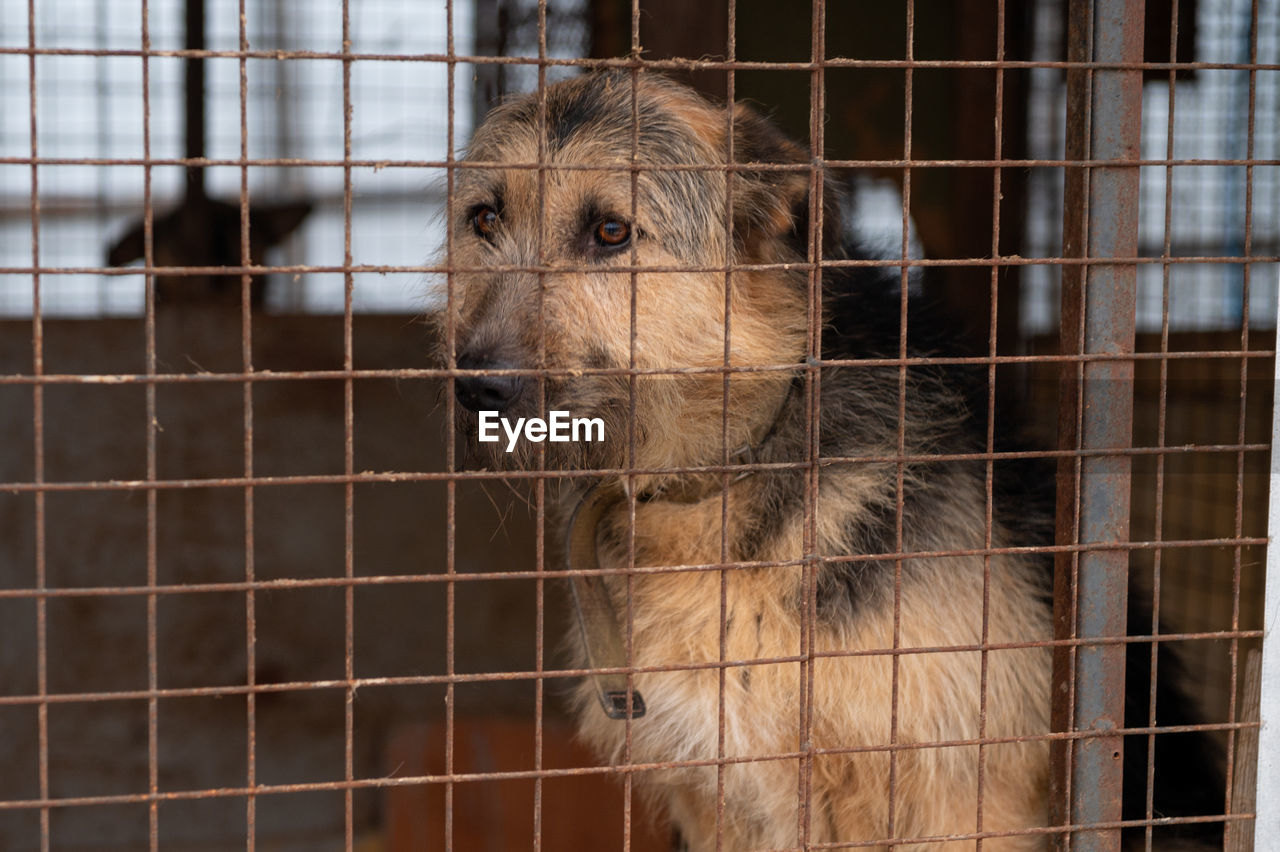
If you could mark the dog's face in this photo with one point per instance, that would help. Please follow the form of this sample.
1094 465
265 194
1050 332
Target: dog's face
597 262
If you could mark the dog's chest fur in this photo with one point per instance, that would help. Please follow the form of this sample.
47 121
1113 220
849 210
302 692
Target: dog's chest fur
753 713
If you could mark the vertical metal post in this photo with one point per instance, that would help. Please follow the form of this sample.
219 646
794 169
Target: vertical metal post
194 105
1266 828
1104 121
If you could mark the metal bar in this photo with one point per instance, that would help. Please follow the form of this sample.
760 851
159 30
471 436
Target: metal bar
1065 563
1229 832
904 285
451 464
628 786
152 544
40 581
540 485
1157 563
384 781
195 189
989 473
401 373
680 64
1104 122
1267 806
985 263
366 683
348 434
723 639
417 579
88 204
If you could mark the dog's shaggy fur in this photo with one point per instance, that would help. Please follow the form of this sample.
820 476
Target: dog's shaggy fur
572 315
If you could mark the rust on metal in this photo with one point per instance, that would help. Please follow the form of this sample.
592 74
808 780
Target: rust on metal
1100 221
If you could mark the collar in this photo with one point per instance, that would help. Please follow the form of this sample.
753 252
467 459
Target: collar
694 487
602 635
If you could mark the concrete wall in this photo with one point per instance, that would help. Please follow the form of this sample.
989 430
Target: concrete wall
97 643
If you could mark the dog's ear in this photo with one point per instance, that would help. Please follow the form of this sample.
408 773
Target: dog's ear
771 207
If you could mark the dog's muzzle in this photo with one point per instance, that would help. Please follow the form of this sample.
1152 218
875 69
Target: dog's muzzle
486 392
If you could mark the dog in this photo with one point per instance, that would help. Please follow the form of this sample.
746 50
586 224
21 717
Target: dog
627 250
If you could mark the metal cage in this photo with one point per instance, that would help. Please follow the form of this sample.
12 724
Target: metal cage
214 577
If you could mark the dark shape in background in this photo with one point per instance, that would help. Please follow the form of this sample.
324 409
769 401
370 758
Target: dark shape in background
202 231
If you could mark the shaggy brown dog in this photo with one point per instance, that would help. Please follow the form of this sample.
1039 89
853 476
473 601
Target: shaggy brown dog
618 280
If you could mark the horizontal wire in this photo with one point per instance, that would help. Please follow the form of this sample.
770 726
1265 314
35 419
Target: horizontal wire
365 683
403 373
21 487
635 767
652 64
483 576
740 166
622 268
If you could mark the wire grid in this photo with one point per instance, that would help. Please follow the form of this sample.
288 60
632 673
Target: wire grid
92 109
1210 118
249 483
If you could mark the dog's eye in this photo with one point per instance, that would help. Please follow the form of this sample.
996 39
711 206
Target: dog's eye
613 234
485 221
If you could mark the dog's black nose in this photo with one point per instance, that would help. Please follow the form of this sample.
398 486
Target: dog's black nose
486 393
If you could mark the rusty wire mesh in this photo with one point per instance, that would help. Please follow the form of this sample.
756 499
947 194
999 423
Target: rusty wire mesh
47 798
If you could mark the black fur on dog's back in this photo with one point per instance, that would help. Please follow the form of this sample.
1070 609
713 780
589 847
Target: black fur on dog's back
863 310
